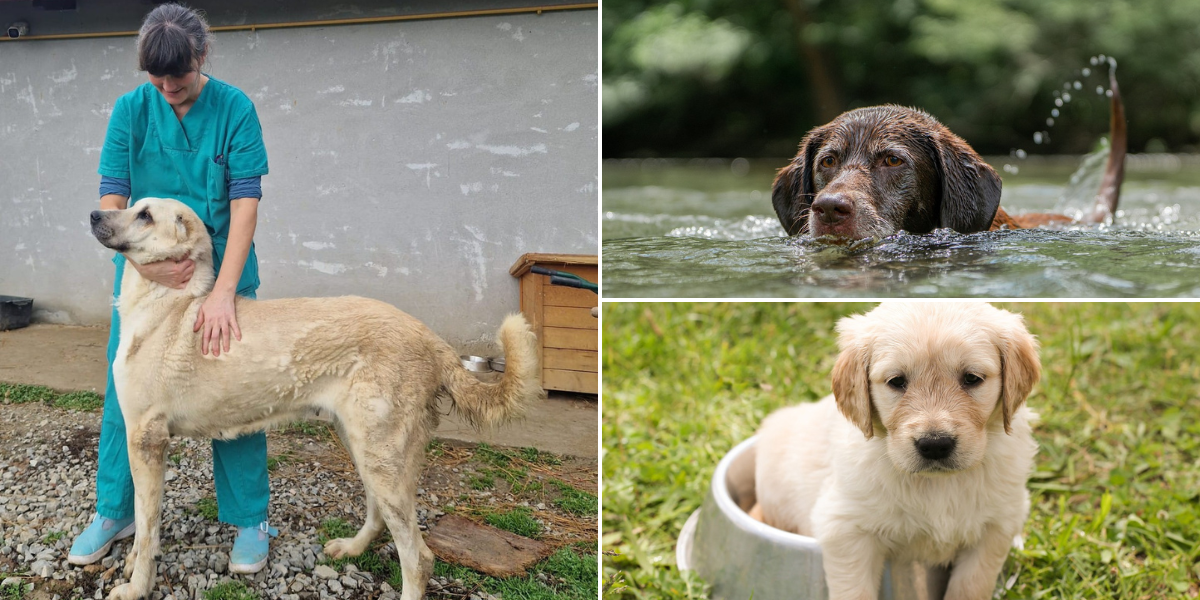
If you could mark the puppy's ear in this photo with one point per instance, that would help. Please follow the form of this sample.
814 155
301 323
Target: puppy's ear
970 187
792 193
182 230
1020 367
851 387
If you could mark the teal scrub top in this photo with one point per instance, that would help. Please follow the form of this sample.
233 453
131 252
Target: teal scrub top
190 160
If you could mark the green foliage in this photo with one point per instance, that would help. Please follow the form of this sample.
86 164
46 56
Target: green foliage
336 528
575 501
274 462
19 393
230 590
315 429
1114 493
12 591
482 481
518 520
572 576
207 508
727 78
54 536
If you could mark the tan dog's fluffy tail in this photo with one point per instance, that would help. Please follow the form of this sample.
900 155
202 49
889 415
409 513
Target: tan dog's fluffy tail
486 404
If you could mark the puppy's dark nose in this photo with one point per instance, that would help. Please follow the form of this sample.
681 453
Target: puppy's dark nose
935 447
96 216
832 209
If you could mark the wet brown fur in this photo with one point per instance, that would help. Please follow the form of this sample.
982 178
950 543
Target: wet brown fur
941 183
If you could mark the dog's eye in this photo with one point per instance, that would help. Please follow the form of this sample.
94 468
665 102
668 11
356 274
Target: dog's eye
827 161
898 383
893 161
971 380
145 215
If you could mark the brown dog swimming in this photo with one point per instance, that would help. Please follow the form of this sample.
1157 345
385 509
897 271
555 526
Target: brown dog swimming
874 171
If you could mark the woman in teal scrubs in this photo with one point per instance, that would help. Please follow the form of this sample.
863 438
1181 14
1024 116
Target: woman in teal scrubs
188 136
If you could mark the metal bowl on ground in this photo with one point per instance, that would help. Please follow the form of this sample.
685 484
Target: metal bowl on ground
497 364
742 558
475 364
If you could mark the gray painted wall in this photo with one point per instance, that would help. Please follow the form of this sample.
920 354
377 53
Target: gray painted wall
411 162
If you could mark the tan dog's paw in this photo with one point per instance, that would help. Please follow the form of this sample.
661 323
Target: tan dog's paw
127 591
343 547
129 560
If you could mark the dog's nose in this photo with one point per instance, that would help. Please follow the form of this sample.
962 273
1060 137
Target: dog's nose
96 216
832 209
935 447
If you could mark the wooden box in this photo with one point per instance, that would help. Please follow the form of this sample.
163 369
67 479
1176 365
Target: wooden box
562 319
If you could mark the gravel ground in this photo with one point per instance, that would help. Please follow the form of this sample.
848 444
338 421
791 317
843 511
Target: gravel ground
47 495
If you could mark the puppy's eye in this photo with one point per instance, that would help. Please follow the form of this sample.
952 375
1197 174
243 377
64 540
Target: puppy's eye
898 383
971 380
893 161
828 161
145 215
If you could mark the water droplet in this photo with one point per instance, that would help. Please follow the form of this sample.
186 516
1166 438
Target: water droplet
1022 154
1058 101
1087 71
1077 85
1066 97
1050 122
1054 113
1037 137
1099 89
1101 57
1112 62
1095 61
1108 93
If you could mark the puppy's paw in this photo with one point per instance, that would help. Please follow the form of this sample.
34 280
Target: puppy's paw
127 591
129 560
343 547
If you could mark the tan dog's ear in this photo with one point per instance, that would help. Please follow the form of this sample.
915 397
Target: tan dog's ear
793 190
851 387
1020 368
181 228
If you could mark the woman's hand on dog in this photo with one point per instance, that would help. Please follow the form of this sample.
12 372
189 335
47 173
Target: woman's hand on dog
171 273
218 318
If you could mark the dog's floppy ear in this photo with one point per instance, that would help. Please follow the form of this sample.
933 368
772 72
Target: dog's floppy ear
182 228
1020 368
970 187
792 193
851 387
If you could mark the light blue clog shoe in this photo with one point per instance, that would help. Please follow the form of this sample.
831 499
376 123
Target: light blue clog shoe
250 549
95 541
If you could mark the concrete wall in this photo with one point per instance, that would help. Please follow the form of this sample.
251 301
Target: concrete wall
411 162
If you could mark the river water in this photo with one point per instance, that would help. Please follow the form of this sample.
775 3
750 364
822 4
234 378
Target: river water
706 229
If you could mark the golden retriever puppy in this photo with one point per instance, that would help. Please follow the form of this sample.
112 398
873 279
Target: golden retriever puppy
921 454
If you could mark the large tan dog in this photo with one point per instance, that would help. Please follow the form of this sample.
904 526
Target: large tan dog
379 371
921 454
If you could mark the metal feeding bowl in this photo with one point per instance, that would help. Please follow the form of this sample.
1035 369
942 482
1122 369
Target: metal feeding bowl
497 364
742 558
475 364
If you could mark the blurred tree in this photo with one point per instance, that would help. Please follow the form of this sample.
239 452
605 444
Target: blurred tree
749 78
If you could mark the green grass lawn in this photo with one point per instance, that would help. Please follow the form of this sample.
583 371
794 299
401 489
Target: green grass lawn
1118 468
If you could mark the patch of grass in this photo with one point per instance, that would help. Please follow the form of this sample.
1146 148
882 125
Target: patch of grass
177 458
274 462
19 393
435 448
536 456
1114 492
335 528
54 536
572 576
12 591
230 590
492 456
315 429
518 520
482 481
207 508
576 502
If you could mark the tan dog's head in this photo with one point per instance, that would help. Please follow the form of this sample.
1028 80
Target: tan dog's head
935 378
154 229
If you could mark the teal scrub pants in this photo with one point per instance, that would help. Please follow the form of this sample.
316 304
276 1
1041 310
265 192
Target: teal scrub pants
239 465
